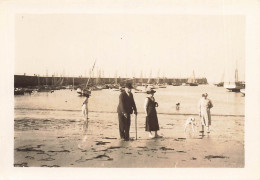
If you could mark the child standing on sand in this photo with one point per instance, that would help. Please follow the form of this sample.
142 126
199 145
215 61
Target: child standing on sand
84 111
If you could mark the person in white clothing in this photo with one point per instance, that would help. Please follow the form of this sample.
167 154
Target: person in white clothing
205 105
84 111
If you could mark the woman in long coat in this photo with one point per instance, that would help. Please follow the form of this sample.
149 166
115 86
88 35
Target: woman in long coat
151 123
205 105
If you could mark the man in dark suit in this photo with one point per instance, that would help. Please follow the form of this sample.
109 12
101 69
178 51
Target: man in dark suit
125 107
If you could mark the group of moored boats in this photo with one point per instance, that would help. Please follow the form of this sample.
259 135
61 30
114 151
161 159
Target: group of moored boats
233 86
45 88
82 89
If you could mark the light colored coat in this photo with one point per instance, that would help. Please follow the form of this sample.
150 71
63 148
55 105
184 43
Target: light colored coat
84 109
204 110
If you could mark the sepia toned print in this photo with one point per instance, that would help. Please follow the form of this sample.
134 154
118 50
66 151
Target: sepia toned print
83 85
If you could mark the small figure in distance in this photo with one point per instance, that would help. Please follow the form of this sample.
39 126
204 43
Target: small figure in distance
178 106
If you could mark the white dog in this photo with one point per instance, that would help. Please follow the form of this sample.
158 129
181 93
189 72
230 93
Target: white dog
190 122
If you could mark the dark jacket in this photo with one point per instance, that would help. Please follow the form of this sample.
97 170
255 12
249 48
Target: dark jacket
126 103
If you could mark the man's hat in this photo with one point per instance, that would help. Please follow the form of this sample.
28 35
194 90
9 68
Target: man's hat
129 86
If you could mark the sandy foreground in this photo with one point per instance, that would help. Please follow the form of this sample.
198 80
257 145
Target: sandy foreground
54 143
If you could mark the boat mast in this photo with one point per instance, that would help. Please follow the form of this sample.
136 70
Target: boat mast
158 77
38 77
141 77
149 80
236 73
194 80
116 77
91 71
46 77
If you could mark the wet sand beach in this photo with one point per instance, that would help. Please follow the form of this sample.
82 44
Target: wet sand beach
53 142
48 128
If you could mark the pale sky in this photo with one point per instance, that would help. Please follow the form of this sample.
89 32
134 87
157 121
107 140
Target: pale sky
173 45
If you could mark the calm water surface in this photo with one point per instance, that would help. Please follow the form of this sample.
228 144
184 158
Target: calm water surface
66 104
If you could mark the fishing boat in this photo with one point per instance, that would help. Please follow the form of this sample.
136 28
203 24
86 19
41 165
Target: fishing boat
221 83
18 91
140 89
235 86
150 84
162 85
243 91
176 83
192 81
94 88
159 83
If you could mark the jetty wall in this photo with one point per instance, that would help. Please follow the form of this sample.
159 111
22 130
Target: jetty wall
27 81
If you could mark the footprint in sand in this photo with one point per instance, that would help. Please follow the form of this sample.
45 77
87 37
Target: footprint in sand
47 159
165 148
181 151
49 166
29 157
209 157
21 165
101 143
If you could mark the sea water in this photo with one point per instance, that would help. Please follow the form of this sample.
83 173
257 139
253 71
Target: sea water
66 104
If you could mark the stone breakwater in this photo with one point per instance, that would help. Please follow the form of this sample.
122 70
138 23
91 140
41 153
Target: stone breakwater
25 81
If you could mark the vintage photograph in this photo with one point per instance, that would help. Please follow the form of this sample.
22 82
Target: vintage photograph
129 90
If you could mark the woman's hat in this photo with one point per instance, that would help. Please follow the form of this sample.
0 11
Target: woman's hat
87 93
129 86
204 94
150 91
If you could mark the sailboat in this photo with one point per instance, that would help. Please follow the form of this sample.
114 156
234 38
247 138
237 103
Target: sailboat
83 91
192 81
221 83
176 82
243 91
146 86
236 85
161 85
149 83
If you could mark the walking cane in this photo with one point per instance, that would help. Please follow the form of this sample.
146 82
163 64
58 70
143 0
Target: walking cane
136 127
